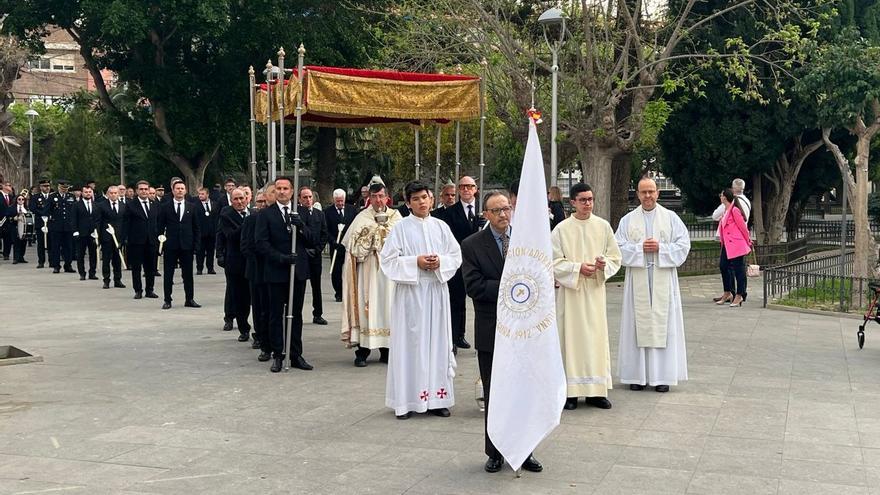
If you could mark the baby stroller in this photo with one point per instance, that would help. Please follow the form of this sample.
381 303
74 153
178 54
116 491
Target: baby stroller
873 312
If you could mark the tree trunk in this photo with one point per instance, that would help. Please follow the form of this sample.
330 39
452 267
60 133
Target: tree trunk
325 164
598 174
620 182
758 210
865 247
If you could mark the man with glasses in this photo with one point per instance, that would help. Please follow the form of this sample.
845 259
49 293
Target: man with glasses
463 220
585 255
141 239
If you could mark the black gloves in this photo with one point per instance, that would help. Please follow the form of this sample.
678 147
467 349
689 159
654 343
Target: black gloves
290 259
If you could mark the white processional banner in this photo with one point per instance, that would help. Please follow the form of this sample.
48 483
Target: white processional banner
528 380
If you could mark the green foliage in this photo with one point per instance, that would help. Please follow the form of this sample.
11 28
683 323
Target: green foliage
81 150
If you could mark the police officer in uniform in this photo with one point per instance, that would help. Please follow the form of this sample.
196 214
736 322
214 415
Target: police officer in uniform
62 225
39 206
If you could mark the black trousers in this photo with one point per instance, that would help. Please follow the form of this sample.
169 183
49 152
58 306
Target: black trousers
205 254
228 305
315 281
484 359
110 256
41 244
8 234
86 245
733 273
142 257
336 274
61 246
277 299
260 312
457 304
171 258
18 247
241 300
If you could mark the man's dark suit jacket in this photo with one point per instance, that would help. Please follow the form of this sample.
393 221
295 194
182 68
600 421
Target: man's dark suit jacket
207 224
230 224
273 244
137 228
109 217
455 217
85 223
481 268
253 270
318 227
180 234
331 215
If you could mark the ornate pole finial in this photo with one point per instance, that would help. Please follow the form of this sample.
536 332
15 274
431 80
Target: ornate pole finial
301 50
251 70
281 52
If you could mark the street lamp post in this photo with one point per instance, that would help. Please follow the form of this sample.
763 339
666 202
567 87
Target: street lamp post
121 161
31 115
549 19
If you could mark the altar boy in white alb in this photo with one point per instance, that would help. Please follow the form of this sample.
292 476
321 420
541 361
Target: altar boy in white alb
420 255
654 243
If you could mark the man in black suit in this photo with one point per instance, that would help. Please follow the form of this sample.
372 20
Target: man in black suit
314 220
7 213
140 238
208 217
482 265
273 242
39 206
231 221
339 218
253 272
176 220
88 218
112 212
226 196
462 218
62 224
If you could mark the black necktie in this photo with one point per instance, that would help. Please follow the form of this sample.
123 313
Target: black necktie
177 210
89 206
471 213
114 208
146 208
286 215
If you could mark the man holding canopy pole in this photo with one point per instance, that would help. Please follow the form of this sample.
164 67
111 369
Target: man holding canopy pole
112 213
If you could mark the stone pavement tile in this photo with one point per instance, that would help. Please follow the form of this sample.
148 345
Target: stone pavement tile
758 391
631 416
28 486
730 484
824 472
97 474
820 435
684 398
160 457
668 439
733 462
871 456
669 458
823 391
794 487
595 434
812 451
471 479
761 379
62 446
712 374
813 414
679 418
749 447
631 479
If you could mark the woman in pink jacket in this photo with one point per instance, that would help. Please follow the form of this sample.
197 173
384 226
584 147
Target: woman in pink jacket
736 243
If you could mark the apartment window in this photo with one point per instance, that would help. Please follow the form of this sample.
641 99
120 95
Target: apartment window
55 63
40 63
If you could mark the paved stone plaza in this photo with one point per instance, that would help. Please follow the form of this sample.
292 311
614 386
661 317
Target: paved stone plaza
132 399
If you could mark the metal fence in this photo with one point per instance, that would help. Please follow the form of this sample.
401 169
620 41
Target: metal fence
816 283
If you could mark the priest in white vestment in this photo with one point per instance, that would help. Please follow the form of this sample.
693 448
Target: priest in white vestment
654 243
585 255
366 291
420 256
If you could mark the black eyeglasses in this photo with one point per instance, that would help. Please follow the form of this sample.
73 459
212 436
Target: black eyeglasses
497 211
584 201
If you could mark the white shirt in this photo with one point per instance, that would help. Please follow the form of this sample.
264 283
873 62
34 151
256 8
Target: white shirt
473 208
179 207
281 207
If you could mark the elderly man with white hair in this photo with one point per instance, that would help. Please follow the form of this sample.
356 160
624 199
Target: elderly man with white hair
738 186
338 218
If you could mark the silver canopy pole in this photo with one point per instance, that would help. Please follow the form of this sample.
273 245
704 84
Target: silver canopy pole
251 94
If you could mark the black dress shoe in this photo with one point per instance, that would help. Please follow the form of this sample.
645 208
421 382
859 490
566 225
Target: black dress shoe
243 337
192 304
167 305
360 363
119 285
338 298
571 403
137 295
25 261
301 363
636 387
199 272
383 355
82 277
56 270
15 262
662 388
493 465
257 344
69 270
405 415
277 364
264 356
319 320
212 272
93 277
41 265
532 464
227 326
106 285
442 412
152 295
600 402
462 344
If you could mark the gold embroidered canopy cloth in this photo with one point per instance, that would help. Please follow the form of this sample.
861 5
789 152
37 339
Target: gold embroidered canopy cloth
340 97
